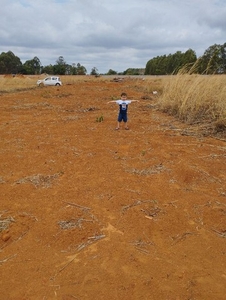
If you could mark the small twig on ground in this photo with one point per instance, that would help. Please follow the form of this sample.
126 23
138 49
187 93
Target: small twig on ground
171 203
149 171
79 248
6 259
223 194
77 205
64 267
22 235
152 213
142 246
29 215
142 250
219 203
91 240
136 203
179 238
221 234
209 203
97 237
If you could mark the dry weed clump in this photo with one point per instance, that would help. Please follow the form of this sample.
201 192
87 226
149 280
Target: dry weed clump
5 221
40 180
195 99
9 83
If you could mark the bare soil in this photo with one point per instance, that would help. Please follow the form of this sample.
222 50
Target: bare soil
88 212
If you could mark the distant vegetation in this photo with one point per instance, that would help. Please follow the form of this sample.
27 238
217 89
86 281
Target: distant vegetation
11 64
165 65
213 61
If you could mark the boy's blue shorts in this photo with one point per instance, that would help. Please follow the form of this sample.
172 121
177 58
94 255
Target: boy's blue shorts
122 117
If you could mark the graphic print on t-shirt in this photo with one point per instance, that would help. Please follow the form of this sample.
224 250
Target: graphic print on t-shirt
123 106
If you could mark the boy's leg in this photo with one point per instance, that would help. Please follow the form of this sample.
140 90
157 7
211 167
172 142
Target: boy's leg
126 126
125 122
119 121
118 126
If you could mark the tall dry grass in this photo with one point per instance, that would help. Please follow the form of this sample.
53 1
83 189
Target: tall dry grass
195 98
8 83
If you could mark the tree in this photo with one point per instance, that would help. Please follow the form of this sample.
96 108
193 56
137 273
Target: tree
223 58
48 69
213 60
189 57
60 67
171 64
73 69
9 63
81 70
32 66
132 71
94 71
111 72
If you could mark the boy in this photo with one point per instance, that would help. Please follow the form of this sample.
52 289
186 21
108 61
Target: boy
123 107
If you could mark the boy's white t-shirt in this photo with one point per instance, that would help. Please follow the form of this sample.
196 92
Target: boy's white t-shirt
124 103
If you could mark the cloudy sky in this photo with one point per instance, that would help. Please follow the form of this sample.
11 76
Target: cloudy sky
109 34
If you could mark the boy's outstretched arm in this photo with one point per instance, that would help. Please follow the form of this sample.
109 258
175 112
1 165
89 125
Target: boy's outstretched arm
111 101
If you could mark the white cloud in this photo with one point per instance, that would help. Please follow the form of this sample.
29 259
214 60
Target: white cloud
109 34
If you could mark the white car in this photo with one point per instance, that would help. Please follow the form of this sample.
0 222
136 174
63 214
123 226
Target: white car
50 81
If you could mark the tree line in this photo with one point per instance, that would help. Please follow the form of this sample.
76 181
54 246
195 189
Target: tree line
11 64
213 61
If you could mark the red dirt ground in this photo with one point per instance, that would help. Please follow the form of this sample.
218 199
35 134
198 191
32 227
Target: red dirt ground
88 212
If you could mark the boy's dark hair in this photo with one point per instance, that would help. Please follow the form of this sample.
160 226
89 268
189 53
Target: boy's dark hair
123 94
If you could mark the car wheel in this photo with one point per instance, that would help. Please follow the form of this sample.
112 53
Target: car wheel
57 84
41 84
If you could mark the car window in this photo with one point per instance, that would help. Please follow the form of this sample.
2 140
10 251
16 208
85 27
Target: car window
48 78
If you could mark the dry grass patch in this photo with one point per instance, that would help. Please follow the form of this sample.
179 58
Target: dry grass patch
9 84
5 221
195 99
40 180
